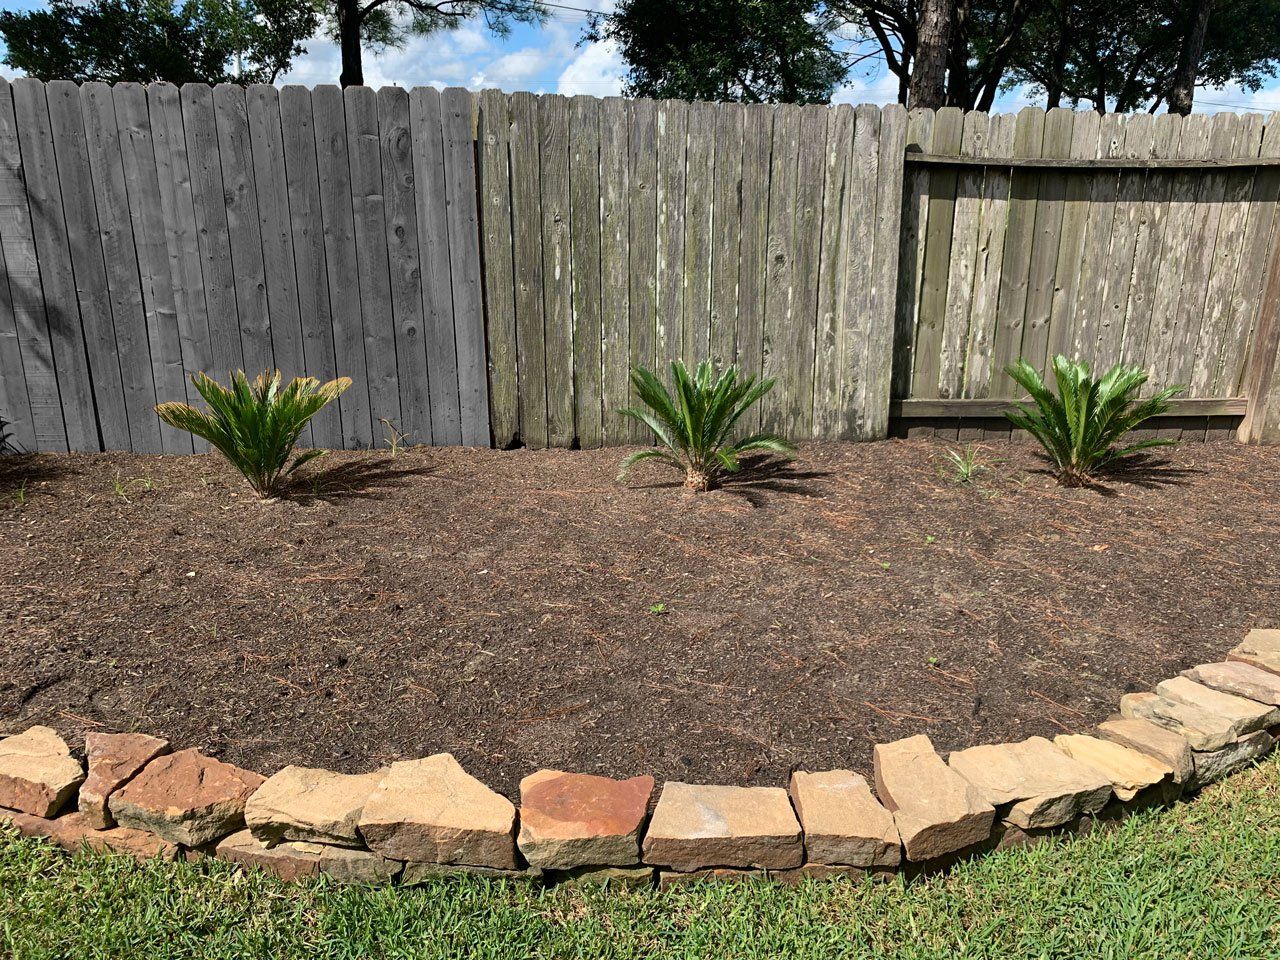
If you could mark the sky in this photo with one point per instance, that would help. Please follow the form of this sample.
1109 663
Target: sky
551 58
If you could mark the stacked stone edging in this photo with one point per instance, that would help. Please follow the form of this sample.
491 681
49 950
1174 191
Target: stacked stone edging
419 819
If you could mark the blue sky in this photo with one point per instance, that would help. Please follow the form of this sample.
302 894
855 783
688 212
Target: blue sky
551 59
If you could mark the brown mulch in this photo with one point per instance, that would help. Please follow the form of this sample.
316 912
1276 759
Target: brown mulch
522 609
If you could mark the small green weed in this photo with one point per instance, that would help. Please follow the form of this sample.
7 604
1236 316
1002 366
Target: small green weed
964 466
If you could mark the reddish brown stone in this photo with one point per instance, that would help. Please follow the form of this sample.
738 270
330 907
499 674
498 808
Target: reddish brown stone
38 775
114 760
186 798
572 820
72 832
288 861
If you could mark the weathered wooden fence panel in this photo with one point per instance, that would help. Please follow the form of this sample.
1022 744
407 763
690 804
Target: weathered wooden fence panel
488 268
147 234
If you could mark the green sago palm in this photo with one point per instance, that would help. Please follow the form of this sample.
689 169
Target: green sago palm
256 425
1082 426
693 422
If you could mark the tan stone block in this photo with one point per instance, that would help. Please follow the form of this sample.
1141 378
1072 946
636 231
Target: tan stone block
38 775
1201 730
304 803
936 811
288 861
1240 679
696 826
843 822
1129 771
1246 716
1260 648
433 811
1155 741
1044 786
572 820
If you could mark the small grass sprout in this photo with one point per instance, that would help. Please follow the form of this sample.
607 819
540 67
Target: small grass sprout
963 466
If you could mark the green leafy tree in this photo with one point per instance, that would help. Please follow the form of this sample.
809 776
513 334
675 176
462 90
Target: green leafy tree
211 41
757 51
378 25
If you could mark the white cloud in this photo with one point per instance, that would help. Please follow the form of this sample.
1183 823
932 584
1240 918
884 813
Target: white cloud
596 69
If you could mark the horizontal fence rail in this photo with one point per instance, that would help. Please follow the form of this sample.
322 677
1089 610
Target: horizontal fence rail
488 268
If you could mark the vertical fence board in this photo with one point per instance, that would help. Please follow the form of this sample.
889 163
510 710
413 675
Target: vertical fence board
699 200
642 246
963 260
306 226
338 218
1050 206
808 233
780 247
499 294
915 219
753 248
615 239
948 131
836 260
1087 314
526 218
38 422
146 212
426 116
404 264
1086 144
727 232
557 279
669 268
989 252
584 214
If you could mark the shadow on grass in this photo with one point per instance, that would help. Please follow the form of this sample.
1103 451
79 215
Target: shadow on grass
363 478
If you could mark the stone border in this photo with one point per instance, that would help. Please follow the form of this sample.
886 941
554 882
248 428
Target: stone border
417 819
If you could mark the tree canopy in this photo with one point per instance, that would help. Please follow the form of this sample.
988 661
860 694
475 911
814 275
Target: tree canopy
746 50
214 41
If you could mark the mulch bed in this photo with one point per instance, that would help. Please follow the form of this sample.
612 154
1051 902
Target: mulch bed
522 609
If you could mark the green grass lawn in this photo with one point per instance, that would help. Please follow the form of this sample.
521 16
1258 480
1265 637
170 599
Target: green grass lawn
1199 881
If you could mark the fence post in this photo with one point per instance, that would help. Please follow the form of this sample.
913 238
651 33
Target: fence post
1262 416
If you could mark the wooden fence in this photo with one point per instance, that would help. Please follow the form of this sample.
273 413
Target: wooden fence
488 267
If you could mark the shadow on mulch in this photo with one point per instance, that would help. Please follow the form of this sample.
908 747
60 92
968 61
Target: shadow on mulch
24 469
1149 471
356 479
759 475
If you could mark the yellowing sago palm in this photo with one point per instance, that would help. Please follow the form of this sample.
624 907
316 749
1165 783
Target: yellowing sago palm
1081 427
694 425
256 425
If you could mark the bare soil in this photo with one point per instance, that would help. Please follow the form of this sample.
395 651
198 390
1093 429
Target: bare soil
523 609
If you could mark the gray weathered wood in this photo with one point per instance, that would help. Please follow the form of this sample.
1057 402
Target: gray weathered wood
669 262
915 218
837 259
584 213
306 225
557 275
244 227
781 313
727 232
878 373
615 239
753 248
1091 135
430 185
29 356
1051 202
642 149
404 264
1087 314
695 337
493 140
526 220
948 132
146 212
226 353
464 258
989 252
368 204
344 280
964 256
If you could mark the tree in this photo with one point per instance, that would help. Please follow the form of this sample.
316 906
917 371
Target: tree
758 51
210 41
933 44
377 25
1128 55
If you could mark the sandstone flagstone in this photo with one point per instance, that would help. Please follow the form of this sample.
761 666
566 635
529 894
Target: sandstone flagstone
348 865
1240 679
638 876
73 831
1246 716
38 775
1155 741
1202 730
843 822
415 873
572 820
936 811
1260 648
291 860
304 803
696 826
1042 785
1214 765
433 811
114 760
186 798
1129 771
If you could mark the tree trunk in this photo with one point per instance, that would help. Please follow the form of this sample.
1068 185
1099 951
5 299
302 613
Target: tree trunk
1183 89
349 24
928 75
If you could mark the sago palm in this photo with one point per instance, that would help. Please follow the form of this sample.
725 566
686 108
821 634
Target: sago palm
693 424
1082 426
256 425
